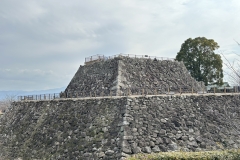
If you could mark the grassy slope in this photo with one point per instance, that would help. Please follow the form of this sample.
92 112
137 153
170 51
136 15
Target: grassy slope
208 155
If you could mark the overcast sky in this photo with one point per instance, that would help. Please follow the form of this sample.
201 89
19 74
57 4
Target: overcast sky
43 42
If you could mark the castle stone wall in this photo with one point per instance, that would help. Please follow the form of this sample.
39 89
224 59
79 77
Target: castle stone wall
112 128
63 129
153 74
124 75
96 78
181 123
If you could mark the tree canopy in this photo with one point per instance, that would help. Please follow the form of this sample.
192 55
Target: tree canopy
199 58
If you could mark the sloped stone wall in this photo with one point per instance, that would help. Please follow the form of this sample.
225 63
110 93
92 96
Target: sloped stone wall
122 75
63 129
112 128
153 74
96 78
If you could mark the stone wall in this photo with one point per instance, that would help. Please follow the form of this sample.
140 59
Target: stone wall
96 78
181 123
112 128
63 129
123 75
153 74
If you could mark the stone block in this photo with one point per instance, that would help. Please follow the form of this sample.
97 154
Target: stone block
146 149
136 150
155 149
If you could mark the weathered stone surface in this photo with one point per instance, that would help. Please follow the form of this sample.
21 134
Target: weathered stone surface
94 128
109 152
156 149
146 149
181 125
136 150
73 128
127 150
178 136
101 155
128 76
173 147
192 143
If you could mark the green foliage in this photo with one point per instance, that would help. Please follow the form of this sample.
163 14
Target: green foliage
199 58
207 155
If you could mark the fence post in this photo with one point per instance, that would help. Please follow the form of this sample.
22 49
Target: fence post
168 89
224 90
180 90
214 90
142 91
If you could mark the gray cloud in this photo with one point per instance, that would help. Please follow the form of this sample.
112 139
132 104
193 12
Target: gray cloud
42 43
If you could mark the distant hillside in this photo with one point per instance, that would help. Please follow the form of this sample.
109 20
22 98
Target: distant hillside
5 94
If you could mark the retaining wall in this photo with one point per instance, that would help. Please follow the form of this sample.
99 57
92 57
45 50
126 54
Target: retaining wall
96 78
113 128
123 74
63 129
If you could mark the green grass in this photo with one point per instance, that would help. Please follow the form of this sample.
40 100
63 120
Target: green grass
207 155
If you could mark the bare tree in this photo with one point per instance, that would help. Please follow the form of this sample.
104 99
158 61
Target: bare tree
234 68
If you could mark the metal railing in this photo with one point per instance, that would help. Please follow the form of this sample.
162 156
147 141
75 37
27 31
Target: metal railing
39 97
102 57
129 92
95 58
